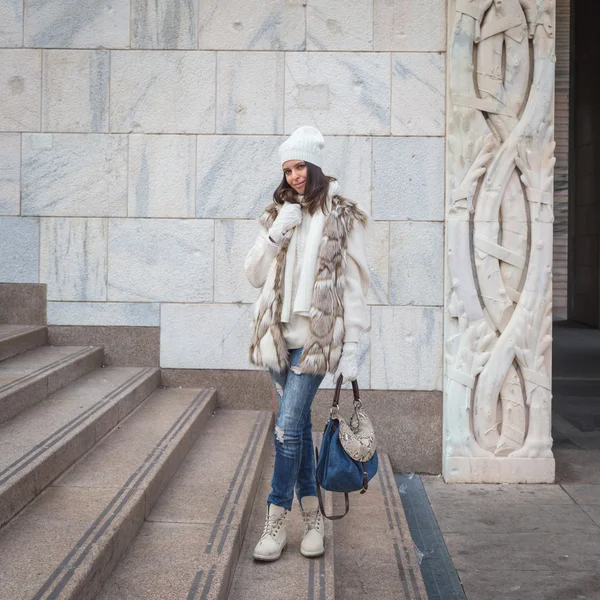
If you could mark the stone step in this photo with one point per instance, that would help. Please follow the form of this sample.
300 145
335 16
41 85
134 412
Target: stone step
16 339
30 377
43 441
189 546
374 550
293 575
66 543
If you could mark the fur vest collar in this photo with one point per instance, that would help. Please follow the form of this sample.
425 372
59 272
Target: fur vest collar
323 347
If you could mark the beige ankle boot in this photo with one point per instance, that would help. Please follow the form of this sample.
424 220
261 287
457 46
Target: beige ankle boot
273 539
314 527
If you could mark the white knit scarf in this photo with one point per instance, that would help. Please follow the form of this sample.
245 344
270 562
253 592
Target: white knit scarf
304 292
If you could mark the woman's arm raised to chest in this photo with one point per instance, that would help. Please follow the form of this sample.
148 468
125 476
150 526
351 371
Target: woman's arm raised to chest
259 259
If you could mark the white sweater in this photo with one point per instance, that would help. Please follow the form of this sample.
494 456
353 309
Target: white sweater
357 278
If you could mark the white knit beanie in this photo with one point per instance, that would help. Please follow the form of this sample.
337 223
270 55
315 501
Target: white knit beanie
306 143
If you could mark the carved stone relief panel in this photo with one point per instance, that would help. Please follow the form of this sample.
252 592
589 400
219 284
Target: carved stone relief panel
498 288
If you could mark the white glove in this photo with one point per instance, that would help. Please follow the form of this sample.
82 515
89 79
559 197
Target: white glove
348 365
289 216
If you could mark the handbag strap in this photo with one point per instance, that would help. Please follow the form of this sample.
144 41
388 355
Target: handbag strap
338 389
320 496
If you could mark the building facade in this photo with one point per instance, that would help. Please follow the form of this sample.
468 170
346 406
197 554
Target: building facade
139 143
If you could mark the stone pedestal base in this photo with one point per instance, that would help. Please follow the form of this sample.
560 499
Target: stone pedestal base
499 470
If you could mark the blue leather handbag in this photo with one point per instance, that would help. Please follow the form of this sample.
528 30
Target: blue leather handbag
348 459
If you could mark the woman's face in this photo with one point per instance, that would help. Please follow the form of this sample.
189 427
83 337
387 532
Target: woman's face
295 174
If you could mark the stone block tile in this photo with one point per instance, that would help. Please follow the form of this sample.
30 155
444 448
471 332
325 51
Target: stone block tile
593 511
237 389
164 25
416 263
74 175
583 493
162 91
560 552
233 240
75 90
23 303
11 23
378 257
20 89
73 258
410 26
116 457
348 159
123 346
408 181
250 92
218 190
575 466
51 529
268 25
339 25
205 336
77 23
138 314
19 249
160 260
441 494
162 176
228 439
406 348
475 516
169 560
418 94
494 584
340 93
10 174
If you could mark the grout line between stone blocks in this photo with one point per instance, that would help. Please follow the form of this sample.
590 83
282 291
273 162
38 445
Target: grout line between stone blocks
23 25
209 134
20 214
127 176
108 124
41 89
131 21
389 273
370 348
240 50
391 94
214 258
372 25
195 178
216 96
284 54
107 254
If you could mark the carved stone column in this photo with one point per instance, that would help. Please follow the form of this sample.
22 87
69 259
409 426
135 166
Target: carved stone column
498 288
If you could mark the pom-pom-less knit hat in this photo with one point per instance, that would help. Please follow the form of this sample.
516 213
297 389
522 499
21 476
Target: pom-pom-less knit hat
306 143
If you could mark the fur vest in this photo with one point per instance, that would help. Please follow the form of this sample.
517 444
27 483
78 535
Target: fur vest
323 347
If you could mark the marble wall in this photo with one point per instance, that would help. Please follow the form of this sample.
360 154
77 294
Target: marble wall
138 144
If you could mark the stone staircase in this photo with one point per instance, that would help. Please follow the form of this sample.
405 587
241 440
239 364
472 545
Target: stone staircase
114 487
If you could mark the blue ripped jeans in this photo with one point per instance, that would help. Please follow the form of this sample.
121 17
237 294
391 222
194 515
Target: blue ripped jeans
294 452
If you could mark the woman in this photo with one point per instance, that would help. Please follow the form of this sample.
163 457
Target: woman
310 261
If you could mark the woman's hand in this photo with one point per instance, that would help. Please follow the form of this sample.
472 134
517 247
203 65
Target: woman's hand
289 216
348 365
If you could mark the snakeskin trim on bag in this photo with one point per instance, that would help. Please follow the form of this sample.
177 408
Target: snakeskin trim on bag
357 437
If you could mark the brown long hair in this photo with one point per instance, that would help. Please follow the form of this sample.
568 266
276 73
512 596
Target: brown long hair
315 191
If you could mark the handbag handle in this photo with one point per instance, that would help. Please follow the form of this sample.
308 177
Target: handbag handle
338 389
320 496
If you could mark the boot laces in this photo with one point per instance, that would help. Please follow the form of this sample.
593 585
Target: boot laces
273 525
312 519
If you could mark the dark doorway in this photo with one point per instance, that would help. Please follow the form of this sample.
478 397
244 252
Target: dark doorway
576 347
